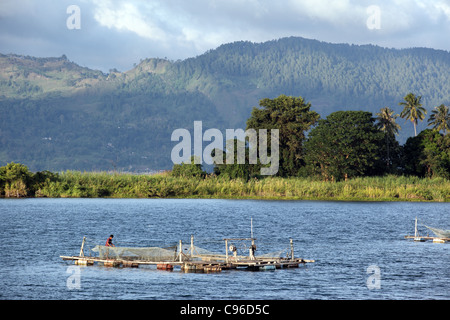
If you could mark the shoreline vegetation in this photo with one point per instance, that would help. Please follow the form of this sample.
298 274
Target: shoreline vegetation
76 184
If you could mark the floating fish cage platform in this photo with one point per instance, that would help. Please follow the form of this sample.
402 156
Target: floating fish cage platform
187 262
192 266
427 238
443 235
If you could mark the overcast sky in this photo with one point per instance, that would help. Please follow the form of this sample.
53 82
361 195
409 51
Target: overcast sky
107 34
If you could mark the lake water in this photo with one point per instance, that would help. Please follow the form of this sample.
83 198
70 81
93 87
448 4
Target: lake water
359 249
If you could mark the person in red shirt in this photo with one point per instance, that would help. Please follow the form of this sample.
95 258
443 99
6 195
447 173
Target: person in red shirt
109 241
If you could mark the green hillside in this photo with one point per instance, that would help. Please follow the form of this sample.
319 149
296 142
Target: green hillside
56 115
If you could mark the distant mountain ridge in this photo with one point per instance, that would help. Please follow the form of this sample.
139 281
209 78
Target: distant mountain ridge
57 115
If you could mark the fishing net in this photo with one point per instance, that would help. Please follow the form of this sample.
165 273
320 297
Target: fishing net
237 249
274 255
157 254
154 254
193 251
439 232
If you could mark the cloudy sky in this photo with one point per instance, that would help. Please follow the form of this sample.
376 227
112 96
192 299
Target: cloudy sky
105 34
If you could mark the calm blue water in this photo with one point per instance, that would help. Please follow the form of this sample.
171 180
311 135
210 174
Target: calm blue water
344 238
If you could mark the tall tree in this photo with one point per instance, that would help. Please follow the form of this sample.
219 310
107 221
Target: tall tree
15 180
413 110
293 117
386 123
428 155
440 118
344 145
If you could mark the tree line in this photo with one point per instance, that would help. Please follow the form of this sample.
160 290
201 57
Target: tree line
16 180
346 144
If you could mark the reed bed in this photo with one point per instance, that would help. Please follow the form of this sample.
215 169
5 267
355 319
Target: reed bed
122 185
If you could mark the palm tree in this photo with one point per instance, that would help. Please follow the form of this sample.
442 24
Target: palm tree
440 118
386 121
387 124
413 109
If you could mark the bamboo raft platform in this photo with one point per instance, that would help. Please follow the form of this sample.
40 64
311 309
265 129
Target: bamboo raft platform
418 238
196 266
426 238
195 262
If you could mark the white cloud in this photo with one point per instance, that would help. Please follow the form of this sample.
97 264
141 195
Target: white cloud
444 8
127 16
201 25
325 10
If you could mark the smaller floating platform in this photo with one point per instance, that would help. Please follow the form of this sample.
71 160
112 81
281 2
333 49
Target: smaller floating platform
418 238
423 239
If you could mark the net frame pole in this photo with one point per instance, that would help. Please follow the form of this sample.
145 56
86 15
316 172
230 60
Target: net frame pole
226 250
82 247
416 233
292 249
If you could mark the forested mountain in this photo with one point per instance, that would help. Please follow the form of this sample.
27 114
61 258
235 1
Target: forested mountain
57 115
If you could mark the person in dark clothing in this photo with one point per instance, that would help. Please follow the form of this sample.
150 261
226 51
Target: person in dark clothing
109 241
252 251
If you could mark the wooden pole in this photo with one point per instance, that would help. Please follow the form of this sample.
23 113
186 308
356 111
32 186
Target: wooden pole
226 250
415 228
253 247
82 247
292 249
192 245
181 251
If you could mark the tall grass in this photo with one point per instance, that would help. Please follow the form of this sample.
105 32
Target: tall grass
120 185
